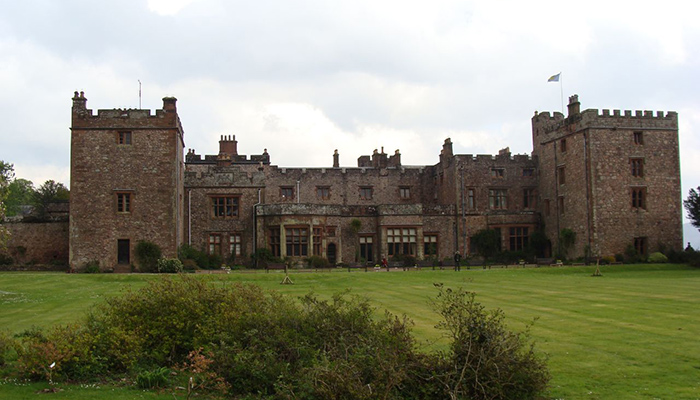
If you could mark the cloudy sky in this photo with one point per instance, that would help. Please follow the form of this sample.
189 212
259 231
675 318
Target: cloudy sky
302 78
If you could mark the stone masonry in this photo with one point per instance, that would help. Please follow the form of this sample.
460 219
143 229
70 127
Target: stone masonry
615 183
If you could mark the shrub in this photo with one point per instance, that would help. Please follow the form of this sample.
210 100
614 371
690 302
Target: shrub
187 252
486 361
156 378
169 266
147 254
189 265
658 258
608 260
239 340
317 262
7 344
262 257
91 267
6 259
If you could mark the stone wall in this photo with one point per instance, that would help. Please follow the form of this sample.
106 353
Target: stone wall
38 243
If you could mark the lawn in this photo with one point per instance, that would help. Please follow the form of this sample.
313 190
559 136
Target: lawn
630 334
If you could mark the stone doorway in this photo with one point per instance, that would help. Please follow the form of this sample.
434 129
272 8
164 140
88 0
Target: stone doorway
123 252
330 253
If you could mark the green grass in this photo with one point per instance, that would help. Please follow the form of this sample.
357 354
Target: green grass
630 334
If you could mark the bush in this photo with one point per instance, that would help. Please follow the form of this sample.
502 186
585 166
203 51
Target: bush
486 361
189 265
239 340
169 266
608 260
6 259
317 262
658 258
187 252
262 257
156 378
7 344
147 254
91 267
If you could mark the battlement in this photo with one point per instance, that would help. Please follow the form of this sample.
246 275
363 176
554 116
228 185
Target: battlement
120 118
638 114
546 127
193 158
489 159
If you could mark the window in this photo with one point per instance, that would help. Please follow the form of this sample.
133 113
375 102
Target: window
317 240
637 167
275 241
366 248
124 202
323 192
640 245
562 145
405 192
561 205
287 193
528 172
430 245
546 207
234 244
498 199
561 174
124 138
497 172
366 193
297 242
529 198
224 206
214 243
639 198
471 199
638 138
401 241
519 238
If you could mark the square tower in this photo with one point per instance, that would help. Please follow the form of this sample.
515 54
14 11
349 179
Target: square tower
126 182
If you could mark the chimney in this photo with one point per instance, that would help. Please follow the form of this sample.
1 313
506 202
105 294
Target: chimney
336 159
574 105
169 104
228 145
447 148
79 101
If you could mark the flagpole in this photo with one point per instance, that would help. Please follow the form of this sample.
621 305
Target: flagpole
561 88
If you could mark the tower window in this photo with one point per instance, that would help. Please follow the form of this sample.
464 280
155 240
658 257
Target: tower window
124 138
124 202
637 165
638 137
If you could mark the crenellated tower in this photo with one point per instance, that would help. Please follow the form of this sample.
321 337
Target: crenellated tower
127 173
613 178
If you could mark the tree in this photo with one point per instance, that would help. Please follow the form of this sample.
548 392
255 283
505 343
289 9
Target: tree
49 192
7 172
692 206
487 242
21 193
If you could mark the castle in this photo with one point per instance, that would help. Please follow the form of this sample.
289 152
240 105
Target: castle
611 178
